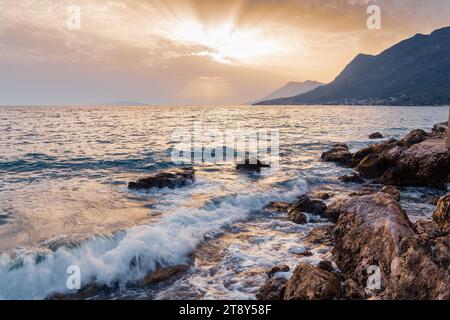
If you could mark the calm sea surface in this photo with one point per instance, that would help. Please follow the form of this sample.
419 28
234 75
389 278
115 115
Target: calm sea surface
64 198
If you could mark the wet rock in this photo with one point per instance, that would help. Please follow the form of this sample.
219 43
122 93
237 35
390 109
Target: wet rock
339 153
281 268
305 254
353 178
352 291
373 149
393 191
305 204
321 195
430 199
372 166
333 211
278 206
312 283
164 274
171 179
297 217
87 292
320 235
442 213
374 231
273 289
252 165
414 137
376 135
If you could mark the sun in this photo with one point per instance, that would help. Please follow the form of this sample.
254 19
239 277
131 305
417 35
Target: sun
224 43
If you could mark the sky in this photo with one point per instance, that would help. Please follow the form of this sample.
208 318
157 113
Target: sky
186 52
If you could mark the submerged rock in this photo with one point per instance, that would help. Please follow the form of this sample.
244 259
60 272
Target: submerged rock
339 153
305 204
164 274
281 268
312 283
353 178
250 164
171 179
376 135
297 217
278 206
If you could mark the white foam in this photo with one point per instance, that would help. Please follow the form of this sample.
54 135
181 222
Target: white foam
166 242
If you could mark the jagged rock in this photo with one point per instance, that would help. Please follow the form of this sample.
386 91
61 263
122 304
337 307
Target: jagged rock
273 289
354 178
440 129
250 164
373 230
312 283
281 268
430 199
414 137
352 291
442 213
376 135
171 179
393 191
339 153
372 166
305 204
326 265
321 195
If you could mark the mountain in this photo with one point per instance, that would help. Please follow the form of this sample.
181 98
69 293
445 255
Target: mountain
416 71
291 89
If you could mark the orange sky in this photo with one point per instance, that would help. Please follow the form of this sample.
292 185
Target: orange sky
190 51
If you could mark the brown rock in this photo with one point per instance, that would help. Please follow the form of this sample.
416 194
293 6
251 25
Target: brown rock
278 206
281 268
250 164
171 179
320 235
339 153
273 289
352 291
312 283
442 213
305 204
321 195
372 166
376 135
326 265
333 211
354 178
414 137
297 217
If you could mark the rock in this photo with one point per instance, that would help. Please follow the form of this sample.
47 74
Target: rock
373 230
281 268
442 213
273 289
164 274
441 252
171 179
440 129
305 254
312 283
326 265
297 217
424 164
251 164
393 191
278 206
373 149
333 211
354 178
321 195
372 166
430 199
368 233
352 291
414 137
339 153
305 204
320 235
376 135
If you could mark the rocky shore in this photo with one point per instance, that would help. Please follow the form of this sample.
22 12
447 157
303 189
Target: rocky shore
378 253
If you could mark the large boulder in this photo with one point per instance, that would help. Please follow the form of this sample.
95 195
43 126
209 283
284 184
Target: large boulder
339 153
414 137
373 230
313 283
273 289
305 204
171 179
440 129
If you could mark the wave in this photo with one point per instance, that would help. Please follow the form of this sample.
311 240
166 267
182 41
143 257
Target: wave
129 256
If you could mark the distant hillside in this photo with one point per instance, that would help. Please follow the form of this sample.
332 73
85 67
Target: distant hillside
291 89
413 72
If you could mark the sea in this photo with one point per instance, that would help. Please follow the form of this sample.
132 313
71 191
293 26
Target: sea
64 199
